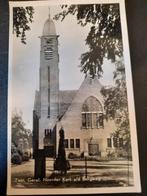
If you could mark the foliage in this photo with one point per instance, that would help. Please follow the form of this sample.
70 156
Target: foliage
19 130
116 106
104 38
73 156
22 17
16 158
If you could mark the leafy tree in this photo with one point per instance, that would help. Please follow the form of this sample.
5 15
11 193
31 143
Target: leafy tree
116 106
104 38
19 130
22 17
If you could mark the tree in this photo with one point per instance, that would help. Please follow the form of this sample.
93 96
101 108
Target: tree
104 39
116 106
22 17
18 129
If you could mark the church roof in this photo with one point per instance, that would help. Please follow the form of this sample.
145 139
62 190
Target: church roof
66 97
49 28
89 87
69 99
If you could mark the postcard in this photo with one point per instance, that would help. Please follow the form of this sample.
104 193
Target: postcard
71 114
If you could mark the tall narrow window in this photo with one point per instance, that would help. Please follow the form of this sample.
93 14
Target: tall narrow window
48 76
84 120
77 143
71 143
48 91
115 142
94 120
89 120
48 111
109 142
66 143
101 121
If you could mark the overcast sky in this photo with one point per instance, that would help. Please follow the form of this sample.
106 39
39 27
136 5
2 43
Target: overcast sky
26 60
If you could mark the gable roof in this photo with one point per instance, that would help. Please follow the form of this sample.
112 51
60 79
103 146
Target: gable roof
89 87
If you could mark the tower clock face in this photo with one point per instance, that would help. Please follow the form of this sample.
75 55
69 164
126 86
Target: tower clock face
48 49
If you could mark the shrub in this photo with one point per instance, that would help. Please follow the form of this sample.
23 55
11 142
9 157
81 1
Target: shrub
16 158
26 156
73 155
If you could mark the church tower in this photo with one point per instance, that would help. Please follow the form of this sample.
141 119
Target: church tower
49 83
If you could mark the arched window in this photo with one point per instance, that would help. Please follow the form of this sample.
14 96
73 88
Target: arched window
92 113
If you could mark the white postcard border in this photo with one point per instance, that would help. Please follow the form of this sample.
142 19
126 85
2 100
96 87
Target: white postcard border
137 184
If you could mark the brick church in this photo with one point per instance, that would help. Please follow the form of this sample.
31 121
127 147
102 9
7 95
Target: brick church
79 112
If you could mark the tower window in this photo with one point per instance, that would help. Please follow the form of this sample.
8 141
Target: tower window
48 111
49 77
48 91
48 49
92 114
49 41
48 54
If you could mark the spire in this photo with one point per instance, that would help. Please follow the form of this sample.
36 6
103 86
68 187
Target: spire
49 26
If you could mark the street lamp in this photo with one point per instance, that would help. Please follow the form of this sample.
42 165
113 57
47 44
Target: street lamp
85 155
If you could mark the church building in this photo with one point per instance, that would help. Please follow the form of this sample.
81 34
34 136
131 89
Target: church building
79 112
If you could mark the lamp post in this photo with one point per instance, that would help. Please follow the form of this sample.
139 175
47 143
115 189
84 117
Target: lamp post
85 167
85 155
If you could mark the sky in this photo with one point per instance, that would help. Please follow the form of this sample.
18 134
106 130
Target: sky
26 60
